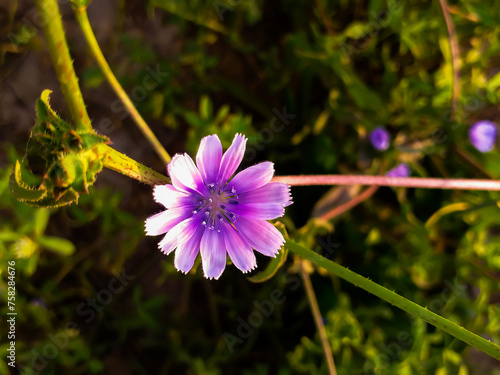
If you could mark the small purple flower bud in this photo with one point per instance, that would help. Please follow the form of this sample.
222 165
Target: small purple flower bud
380 138
483 135
402 170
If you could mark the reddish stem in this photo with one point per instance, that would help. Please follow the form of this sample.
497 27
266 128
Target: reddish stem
350 204
413 182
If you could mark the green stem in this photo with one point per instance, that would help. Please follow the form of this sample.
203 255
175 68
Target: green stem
48 10
83 21
397 300
121 163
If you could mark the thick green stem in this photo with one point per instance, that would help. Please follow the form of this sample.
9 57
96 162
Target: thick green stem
129 167
52 26
83 21
397 300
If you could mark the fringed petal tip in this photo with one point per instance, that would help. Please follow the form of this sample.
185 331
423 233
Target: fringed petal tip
182 271
289 201
249 270
212 277
239 137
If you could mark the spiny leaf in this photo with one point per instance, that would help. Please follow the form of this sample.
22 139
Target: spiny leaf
65 161
20 188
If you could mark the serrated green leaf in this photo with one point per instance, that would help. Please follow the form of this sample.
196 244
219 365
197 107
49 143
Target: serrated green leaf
66 161
21 190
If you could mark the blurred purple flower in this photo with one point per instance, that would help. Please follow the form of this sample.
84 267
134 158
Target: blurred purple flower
483 135
402 170
211 213
39 302
380 138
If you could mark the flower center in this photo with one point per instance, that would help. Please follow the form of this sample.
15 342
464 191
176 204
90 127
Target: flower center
216 206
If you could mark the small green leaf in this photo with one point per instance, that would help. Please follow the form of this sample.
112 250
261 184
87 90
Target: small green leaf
222 114
57 245
9 236
206 110
275 263
193 119
41 219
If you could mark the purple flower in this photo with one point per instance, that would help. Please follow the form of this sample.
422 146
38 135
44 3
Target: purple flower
212 213
380 138
483 135
402 170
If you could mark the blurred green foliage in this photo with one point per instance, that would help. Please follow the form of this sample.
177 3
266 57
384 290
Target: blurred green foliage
306 82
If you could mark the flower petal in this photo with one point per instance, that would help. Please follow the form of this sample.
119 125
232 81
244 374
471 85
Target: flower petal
170 197
253 177
274 192
208 158
186 253
179 234
239 250
232 158
213 253
261 235
262 211
164 221
184 174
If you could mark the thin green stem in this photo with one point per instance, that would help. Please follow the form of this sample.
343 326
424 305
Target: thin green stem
52 26
318 320
395 299
121 163
83 21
